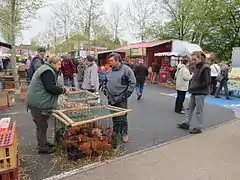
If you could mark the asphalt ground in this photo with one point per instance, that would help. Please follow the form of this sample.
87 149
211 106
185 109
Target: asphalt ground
151 122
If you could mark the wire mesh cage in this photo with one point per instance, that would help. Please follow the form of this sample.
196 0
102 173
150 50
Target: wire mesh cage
81 95
87 131
64 103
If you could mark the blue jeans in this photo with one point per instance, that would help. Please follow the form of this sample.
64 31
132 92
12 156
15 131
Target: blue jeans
68 81
139 88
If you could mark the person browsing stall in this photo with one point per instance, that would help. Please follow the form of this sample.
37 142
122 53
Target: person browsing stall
42 97
120 84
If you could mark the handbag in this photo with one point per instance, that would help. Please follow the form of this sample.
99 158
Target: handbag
219 77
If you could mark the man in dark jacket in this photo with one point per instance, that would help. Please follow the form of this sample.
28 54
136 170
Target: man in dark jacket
199 88
37 61
155 69
141 72
68 70
120 84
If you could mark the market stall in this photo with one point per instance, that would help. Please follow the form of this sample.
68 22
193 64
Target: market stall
170 60
102 57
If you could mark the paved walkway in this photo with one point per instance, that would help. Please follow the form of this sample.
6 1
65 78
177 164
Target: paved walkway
213 155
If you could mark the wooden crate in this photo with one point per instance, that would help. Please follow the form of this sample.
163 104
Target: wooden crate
75 130
88 114
8 148
3 100
11 98
81 96
23 90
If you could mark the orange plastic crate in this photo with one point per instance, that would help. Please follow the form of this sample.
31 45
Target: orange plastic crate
8 148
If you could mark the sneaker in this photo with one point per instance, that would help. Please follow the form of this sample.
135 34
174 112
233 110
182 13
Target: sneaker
229 98
46 150
181 112
125 138
195 131
183 126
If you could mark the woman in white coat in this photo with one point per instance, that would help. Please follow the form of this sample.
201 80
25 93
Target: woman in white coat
183 77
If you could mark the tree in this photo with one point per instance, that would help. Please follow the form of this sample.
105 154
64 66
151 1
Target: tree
141 14
64 18
16 13
91 13
215 24
115 22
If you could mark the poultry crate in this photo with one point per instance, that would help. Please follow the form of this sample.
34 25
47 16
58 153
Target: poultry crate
64 103
81 95
8 148
86 131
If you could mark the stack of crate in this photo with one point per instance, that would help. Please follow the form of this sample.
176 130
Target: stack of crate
23 90
9 153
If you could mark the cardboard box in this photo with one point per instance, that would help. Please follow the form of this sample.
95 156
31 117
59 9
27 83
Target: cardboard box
11 98
3 100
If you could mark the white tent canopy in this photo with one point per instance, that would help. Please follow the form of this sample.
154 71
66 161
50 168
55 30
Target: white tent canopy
181 48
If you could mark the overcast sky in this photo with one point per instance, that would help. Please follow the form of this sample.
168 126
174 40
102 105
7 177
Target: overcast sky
45 16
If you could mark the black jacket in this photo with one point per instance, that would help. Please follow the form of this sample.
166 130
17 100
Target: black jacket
200 83
50 83
141 72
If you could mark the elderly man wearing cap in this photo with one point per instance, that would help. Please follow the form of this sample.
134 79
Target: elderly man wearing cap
37 61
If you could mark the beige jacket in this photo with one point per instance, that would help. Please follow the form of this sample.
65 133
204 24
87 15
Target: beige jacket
183 77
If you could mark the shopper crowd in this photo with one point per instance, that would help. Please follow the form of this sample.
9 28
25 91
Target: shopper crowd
193 75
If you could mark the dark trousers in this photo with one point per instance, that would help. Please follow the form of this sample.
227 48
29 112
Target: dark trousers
179 101
120 123
68 81
28 75
41 121
139 87
224 85
213 85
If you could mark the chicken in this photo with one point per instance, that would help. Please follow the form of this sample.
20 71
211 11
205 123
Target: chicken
100 146
97 133
86 131
86 148
82 138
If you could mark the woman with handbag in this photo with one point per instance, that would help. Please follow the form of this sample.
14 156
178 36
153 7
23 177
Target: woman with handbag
182 77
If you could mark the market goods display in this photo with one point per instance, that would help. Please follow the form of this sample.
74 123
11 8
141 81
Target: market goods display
86 140
86 131
80 95
64 103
